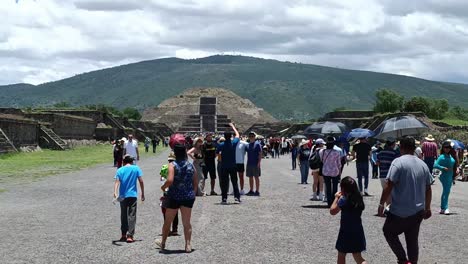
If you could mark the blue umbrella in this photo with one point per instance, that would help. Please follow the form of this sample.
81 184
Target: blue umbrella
361 133
457 144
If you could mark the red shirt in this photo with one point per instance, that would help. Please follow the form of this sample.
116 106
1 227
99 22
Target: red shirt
429 149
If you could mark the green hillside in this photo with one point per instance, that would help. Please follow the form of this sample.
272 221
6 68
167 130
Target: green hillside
286 90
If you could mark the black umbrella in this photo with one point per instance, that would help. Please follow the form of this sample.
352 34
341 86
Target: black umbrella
400 126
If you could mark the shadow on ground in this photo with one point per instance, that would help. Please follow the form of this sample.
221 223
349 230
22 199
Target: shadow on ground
316 206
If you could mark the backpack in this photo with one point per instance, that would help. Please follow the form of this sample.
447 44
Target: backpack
314 160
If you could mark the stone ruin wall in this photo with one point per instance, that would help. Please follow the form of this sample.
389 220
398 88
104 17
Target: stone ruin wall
67 126
20 131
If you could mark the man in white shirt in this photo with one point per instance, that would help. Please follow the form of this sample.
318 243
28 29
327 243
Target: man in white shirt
131 148
241 149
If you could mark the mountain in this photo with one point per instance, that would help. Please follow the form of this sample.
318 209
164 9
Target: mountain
286 90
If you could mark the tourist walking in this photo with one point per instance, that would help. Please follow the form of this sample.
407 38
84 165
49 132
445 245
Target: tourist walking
240 162
375 168
429 152
125 191
331 159
303 157
182 183
445 163
131 148
163 173
227 151
384 160
317 186
147 144
294 156
155 142
209 153
362 153
118 152
196 154
254 158
409 184
351 238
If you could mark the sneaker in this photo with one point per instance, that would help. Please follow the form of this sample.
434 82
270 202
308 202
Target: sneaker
242 192
250 193
442 211
446 212
256 194
130 239
237 201
320 196
313 197
366 192
213 193
224 201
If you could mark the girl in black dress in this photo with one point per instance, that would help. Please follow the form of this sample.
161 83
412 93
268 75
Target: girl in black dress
351 237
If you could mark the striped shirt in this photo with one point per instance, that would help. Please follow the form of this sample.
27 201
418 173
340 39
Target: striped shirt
386 157
429 149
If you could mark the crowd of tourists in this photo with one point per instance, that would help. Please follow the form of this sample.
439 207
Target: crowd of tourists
405 169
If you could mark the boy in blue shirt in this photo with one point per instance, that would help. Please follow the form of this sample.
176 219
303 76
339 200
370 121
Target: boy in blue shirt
125 191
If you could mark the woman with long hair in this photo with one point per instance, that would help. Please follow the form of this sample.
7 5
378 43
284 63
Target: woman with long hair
182 183
445 163
351 238
196 154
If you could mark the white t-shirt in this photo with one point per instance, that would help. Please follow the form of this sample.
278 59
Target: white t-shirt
241 148
418 152
130 148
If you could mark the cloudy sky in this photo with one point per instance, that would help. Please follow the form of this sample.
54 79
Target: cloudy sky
46 40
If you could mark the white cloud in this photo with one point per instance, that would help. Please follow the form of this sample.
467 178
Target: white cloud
46 40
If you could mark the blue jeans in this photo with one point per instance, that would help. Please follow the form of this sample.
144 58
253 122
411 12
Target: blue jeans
294 159
304 166
430 163
362 171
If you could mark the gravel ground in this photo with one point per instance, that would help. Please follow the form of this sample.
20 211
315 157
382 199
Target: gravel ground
70 219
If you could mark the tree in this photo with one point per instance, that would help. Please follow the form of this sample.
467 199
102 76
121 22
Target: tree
417 104
388 101
131 113
438 108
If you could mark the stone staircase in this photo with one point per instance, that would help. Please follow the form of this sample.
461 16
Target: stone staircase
51 139
5 144
195 124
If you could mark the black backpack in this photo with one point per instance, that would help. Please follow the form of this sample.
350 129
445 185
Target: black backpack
314 160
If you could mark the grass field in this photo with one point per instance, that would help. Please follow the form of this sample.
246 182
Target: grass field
454 122
27 167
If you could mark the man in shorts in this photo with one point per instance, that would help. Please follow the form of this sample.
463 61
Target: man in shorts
254 158
240 166
209 154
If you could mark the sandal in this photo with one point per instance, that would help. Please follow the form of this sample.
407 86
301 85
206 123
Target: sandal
159 244
188 249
